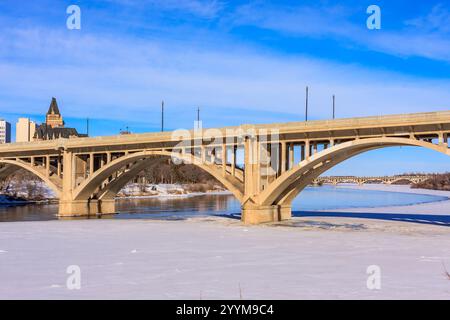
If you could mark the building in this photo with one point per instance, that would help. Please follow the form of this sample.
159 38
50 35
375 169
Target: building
5 131
54 119
25 130
54 128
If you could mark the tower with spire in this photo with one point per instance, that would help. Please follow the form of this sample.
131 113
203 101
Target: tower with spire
54 118
54 128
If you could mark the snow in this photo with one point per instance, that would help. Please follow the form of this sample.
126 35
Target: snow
314 258
219 258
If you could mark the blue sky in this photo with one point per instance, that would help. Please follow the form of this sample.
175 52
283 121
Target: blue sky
239 61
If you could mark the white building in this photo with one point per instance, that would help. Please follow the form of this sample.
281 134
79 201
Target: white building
5 131
25 129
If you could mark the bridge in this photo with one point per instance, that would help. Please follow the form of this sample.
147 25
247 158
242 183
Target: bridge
264 166
415 178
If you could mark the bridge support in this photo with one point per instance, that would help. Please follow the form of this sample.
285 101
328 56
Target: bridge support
107 206
86 208
77 208
256 214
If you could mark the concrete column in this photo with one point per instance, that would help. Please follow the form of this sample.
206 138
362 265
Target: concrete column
283 157
247 168
269 163
441 138
203 153
108 157
249 182
91 164
257 165
32 161
224 159
315 147
59 166
47 166
331 143
307 149
291 155
233 160
213 155
72 169
84 165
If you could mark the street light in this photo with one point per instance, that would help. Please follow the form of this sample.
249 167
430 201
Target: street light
162 116
306 104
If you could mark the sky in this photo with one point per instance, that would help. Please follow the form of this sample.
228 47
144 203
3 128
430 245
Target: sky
238 61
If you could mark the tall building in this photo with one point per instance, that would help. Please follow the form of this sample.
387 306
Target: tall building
54 118
5 131
53 128
25 130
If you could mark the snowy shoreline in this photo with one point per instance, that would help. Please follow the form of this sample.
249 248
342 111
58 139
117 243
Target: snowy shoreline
185 195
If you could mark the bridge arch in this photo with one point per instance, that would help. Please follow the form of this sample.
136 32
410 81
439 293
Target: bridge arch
286 187
137 162
12 166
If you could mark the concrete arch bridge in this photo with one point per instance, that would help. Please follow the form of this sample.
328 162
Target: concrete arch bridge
408 179
278 160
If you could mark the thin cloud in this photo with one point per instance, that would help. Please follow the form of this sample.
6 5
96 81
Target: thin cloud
202 8
428 38
94 73
437 21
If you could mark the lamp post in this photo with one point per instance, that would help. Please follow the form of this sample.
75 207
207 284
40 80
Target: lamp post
198 117
306 103
162 116
334 107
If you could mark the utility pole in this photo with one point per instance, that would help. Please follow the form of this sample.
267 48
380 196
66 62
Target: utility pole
307 98
198 117
87 127
334 107
162 116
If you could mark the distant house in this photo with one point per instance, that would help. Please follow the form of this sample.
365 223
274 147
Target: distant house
53 128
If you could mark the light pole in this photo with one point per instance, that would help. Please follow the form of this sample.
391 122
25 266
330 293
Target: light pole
198 117
162 116
334 107
306 104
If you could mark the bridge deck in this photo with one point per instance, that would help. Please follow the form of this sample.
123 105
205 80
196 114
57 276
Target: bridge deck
402 122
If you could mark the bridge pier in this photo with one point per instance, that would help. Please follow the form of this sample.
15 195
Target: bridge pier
77 208
86 208
256 214
107 206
